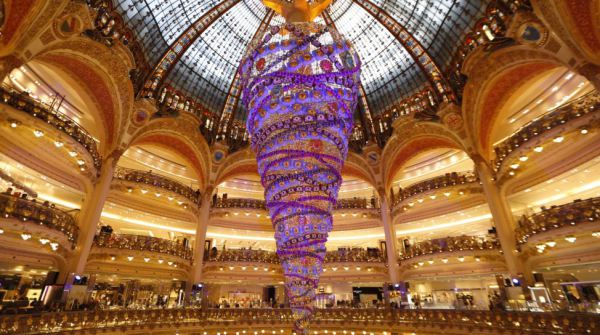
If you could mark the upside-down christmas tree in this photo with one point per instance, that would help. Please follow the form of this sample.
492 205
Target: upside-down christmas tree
300 85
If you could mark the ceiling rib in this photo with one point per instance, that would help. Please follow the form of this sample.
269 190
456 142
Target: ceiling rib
413 47
182 43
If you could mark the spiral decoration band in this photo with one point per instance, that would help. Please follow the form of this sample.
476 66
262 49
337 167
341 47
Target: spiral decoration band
300 86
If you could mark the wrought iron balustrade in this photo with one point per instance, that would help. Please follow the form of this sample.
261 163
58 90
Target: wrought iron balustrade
156 180
342 255
33 212
435 183
350 203
25 103
143 243
451 244
576 109
239 203
555 217
452 321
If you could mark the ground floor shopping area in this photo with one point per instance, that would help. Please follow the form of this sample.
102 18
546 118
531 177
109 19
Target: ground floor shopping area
576 291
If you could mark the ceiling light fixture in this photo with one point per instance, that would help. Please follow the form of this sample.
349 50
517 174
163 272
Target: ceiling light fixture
539 148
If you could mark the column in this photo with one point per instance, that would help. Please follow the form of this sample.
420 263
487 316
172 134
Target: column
201 228
591 72
88 222
504 220
390 239
7 64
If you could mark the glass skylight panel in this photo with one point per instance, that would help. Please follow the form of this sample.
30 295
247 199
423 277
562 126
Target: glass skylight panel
140 20
338 8
439 25
212 60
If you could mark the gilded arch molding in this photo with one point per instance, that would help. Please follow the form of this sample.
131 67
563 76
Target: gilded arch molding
493 79
103 74
180 135
412 138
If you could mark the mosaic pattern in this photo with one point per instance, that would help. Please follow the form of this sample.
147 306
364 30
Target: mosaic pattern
300 86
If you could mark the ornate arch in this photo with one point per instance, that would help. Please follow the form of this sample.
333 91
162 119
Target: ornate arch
493 79
102 74
406 133
23 20
240 162
414 146
182 136
576 22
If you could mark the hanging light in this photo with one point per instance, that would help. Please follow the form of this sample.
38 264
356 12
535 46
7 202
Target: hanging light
514 166
130 258
160 261
72 153
58 144
558 139
38 133
44 241
54 246
583 131
461 258
539 148
146 259
25 236
551 244
523 158
571 239
444 260
447 194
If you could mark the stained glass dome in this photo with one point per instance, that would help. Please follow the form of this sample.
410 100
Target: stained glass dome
206 70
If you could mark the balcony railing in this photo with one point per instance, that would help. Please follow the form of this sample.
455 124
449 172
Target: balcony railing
451 244
447 180
39 214
155 180
23 102
143 243
555 217
354 203
574 110
239 203
342 255
492 322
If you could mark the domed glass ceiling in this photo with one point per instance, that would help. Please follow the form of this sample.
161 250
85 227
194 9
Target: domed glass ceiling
389 74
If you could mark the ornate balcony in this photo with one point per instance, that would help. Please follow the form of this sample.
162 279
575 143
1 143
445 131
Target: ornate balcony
23 102
240 203
451 244
354 203
436 183
356 255
575 114
37 214
158 181
193 320
144 244
556 217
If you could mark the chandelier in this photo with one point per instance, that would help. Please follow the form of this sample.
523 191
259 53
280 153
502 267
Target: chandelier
300 87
